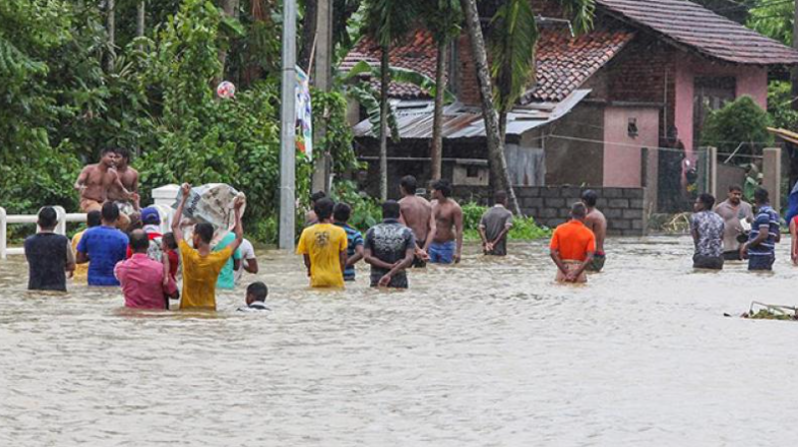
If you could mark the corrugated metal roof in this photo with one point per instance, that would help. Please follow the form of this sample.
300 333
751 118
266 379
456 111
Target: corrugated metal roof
459 122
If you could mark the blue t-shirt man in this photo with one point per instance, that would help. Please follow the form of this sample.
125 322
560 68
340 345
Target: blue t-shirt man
227 277
762 255
353 239
105 246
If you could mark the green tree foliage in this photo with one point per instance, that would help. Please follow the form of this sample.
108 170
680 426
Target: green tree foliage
524 228
741 121
773 19
780 105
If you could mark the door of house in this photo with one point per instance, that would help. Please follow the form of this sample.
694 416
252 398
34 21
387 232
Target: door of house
710 93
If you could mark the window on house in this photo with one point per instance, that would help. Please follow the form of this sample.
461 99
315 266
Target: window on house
472 171
631 128
710 93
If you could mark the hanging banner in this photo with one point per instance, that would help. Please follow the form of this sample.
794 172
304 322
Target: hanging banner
304 115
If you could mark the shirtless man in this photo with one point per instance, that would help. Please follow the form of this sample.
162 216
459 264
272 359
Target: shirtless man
448 226
416 213
126 194
597 223
95 181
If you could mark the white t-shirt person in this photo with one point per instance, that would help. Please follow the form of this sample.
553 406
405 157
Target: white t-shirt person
247 257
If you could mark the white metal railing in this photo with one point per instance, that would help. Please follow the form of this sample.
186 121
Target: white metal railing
6 219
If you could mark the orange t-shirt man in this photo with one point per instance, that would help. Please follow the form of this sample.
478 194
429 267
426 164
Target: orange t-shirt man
574 242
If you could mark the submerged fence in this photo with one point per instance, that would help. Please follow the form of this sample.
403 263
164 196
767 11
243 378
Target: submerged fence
6 219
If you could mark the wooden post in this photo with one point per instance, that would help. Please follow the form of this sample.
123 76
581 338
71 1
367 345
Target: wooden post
771 168
712 171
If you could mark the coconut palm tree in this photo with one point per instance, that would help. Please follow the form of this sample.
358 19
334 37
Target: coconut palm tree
442 18
387 21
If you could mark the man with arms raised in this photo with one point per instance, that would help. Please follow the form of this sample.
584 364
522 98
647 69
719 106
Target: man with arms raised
390 248
494 226
572 246
323 248
737 216
416 213
448 226
95 181
201 266
597 223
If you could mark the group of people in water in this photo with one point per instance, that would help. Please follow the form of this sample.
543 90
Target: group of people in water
127 250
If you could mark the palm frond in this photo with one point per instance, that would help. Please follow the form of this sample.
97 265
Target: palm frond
398 74
369 99
581 13
514 36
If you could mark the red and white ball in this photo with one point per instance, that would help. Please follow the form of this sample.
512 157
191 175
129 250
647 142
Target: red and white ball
226 90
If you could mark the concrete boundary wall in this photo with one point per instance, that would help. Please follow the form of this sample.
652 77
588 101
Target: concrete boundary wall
625 208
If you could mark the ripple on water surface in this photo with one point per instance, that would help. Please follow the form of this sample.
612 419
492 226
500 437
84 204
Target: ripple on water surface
489 352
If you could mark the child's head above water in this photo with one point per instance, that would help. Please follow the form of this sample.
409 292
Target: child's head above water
169 241
257 291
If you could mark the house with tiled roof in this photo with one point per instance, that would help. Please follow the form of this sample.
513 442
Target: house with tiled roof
602 103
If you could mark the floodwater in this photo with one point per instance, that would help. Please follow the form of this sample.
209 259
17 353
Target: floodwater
487 353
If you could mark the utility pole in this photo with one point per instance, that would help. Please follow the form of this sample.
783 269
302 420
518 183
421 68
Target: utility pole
323 82
288 130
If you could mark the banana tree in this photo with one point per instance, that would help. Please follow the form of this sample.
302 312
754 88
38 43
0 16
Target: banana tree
387 21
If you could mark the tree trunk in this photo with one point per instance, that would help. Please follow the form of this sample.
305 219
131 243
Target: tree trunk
436 151
140 23
308 34
500 176
384 83
110 24
230 9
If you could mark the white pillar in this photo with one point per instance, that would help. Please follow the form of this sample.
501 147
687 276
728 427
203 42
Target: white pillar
165 195
60 227
288 129
3 233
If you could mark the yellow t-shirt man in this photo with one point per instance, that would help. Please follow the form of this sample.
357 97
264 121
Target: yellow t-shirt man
324 244
81 274
200 274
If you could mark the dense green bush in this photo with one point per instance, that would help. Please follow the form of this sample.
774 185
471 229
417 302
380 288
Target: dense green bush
524 228
739 121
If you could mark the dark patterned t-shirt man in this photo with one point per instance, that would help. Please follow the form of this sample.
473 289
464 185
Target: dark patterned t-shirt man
389 242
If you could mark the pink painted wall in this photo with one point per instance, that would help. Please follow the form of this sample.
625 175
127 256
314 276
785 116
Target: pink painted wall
750 80
622 153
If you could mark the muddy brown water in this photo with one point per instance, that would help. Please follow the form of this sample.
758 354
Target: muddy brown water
487 353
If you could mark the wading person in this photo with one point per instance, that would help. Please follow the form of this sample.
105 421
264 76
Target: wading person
49 255
104 246
96 180
416 213
737 216
227 277
447 243
125 192
93 219
201 267
146 283
707 228
494 226
256 298
354 239
249 261
323 248
761 246
572 246
390 249
597 223
310 216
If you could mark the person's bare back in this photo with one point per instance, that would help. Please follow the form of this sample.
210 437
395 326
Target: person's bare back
597 223
416 213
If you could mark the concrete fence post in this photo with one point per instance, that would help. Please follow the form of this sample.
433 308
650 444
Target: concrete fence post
3 234
712 171
771 169
60 227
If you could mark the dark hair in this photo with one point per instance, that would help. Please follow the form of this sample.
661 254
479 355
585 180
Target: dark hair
205 232
707 199
500 196
323 208
94 219
342 212
107 150
390 209
409 184
48 218
139 242
258 290
590 198
123 152
169 240
733 188
110 212
316 196
443 186
761 195
578 210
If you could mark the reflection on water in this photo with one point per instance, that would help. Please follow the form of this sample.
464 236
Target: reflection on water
490 352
